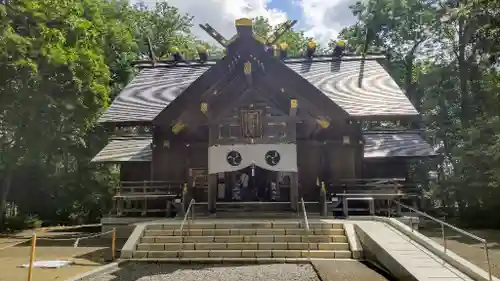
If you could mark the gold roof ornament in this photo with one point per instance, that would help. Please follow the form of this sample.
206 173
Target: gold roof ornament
204 107
243 22
323 123
201 49
283 46
338 51
247 68
202 52
311 44
177 128
311 48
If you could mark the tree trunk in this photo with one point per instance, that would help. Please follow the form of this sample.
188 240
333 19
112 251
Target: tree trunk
4 192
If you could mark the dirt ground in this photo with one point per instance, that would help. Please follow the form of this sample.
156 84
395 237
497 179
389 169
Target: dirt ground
89 255
470 249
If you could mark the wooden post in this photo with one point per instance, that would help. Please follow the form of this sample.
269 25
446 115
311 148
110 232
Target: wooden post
113 244
322 200
212 192
169 208
294 190
145 201
345 207
32 256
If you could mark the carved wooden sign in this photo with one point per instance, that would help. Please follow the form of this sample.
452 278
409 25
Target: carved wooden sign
251 123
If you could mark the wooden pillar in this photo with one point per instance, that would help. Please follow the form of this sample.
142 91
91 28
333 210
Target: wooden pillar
212 192
398 210
294 190
212 179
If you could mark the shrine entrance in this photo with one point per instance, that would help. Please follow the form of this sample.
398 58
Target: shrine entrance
253 184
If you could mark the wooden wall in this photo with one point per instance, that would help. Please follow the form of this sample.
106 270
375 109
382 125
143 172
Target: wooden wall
330 162
172 163
385 168
135 171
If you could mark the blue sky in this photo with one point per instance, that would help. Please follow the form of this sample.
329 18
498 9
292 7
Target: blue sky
320 19
291 8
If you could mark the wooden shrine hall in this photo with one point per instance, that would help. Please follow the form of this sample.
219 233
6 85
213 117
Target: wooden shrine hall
258 126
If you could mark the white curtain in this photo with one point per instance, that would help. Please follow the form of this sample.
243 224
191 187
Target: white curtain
252 154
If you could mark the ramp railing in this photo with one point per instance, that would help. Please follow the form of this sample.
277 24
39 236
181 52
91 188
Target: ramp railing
306 225
443 234
188 216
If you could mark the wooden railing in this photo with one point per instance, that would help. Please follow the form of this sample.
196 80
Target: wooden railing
379 190
373 186
133 197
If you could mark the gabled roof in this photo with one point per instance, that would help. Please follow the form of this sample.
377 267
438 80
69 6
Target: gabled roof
132 149
151 91
379 94
396 144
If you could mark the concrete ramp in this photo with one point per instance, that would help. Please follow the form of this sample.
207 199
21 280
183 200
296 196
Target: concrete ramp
345 270
403 257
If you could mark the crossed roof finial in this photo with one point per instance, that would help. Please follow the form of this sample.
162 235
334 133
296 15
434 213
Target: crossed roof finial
245 26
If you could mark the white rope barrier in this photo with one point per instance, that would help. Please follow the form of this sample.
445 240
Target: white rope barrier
10 245
77 239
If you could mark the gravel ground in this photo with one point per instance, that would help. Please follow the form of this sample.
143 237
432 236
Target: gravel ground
178 272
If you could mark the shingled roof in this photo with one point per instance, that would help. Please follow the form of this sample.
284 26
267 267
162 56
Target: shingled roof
153 89
377 145
378 95
388 144
131 149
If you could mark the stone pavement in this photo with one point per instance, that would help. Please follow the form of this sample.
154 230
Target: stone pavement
345 270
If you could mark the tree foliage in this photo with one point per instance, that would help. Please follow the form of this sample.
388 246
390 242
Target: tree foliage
61 62
444 54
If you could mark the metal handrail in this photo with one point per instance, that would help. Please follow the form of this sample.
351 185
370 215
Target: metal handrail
181 230
306 221
306 224
459 230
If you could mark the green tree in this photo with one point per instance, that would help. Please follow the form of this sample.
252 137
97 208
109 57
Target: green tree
444 55
296 40
166 27
62 62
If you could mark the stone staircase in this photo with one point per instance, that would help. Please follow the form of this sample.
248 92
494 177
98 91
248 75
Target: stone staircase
273 241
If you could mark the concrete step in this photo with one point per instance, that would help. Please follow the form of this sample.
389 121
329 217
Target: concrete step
320 254
242 246
249 225
251 238
238 261
228 232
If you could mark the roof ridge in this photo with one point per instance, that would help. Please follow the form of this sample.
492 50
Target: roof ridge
394 131
330 59
132 137
177 65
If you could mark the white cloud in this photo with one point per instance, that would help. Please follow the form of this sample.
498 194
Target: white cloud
326 18
220 14
320 19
